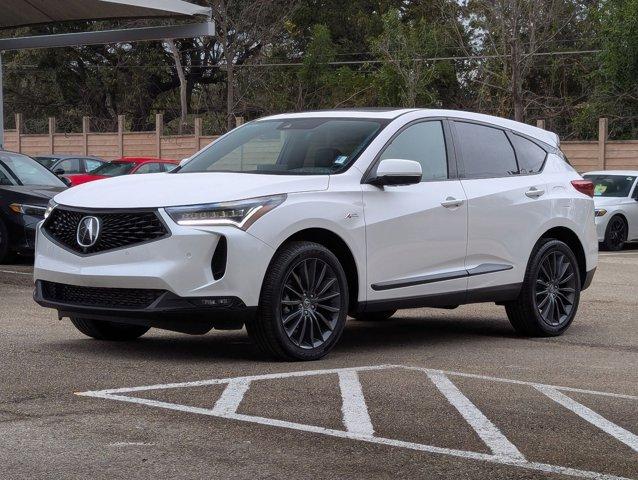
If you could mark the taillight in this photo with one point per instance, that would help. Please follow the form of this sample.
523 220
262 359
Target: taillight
584 186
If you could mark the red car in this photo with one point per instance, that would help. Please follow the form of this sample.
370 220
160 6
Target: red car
124 166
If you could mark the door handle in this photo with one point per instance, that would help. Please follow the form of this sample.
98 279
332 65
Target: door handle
451 202
534 192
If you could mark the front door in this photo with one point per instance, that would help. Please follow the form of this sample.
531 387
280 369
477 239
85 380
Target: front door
416 235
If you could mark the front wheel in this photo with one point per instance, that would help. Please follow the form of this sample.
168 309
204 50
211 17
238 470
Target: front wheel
4 243
615 234
303 304
549 297
101 330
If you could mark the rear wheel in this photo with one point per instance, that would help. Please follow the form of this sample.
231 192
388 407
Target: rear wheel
615 234
303 304
550 293
374 316
102 330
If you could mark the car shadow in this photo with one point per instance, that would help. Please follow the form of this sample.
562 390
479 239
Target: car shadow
400 331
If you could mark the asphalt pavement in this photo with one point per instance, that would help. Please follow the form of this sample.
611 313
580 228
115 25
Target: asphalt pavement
428 394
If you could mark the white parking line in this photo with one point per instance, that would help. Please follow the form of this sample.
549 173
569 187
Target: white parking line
355 412
357 420
16 273
485 429
231 397
592 417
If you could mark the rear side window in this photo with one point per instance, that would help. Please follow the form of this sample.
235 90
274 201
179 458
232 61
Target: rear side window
486 151
530 156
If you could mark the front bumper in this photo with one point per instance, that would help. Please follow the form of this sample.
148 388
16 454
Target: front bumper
601 226
196 315
179 264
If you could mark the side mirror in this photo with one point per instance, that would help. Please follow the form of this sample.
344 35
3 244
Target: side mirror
396 172
66 181
184 161
59 171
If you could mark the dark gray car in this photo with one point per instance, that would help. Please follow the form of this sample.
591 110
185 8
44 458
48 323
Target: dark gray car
65 164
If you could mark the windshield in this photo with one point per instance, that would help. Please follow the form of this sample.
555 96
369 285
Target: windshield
46 161
16 169
113 169
304 146
611 185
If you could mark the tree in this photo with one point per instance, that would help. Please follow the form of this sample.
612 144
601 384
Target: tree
405 46
244 28
509 34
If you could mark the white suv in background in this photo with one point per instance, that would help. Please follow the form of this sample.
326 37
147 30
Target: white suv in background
616 202
290 223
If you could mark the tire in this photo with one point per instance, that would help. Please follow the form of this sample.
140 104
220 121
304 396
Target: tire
548 301
300 319
615 234
4 243
101 330
374 316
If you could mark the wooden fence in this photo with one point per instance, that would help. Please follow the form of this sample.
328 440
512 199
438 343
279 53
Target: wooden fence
601 154
108 145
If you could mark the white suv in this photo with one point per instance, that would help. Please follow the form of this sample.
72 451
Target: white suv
292 222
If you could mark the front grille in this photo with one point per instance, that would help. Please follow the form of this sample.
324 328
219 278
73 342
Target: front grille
133 298
117 230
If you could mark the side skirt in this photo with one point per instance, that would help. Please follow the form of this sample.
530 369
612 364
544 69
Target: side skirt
501 293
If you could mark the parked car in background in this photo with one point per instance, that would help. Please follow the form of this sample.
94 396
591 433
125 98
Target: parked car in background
290 223
124 166
66 164
616 201
25 190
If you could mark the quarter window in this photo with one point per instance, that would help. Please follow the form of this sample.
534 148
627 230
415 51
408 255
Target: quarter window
422 142
92 164
530 156
486 151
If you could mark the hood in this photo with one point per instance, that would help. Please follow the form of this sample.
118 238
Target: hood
38 194
174 189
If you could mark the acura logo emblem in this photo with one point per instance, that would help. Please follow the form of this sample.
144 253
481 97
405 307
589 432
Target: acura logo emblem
88 231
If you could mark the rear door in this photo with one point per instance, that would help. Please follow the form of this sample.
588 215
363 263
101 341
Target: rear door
507 202
416 235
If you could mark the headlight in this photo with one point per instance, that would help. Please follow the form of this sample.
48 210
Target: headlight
600 212
31 210
49 209
241 214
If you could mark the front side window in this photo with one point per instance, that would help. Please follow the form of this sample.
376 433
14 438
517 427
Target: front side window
68 165
149 168
611 185
27 171
487 153
302 146
531 157
113 169
422 142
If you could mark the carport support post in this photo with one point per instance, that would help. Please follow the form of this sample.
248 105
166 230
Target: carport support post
159 130
51 135
1 107
86 121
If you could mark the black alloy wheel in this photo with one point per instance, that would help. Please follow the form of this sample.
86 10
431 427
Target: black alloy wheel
310 303
303 303
615 234
555 288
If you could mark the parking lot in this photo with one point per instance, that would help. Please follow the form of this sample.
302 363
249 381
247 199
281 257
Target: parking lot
429 394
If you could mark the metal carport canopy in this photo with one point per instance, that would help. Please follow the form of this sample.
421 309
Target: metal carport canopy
20 13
